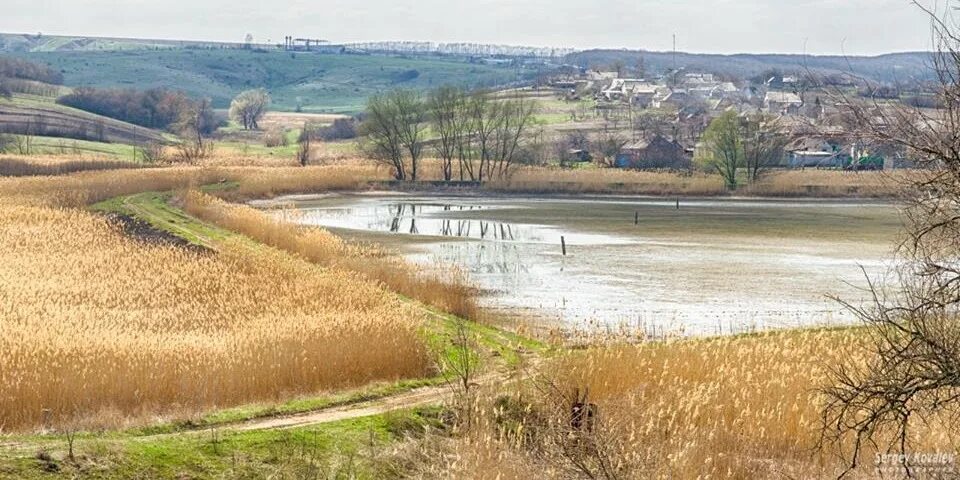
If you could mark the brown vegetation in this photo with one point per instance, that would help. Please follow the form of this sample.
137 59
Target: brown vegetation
793 183
449 293
95 324
157 108
743 407
32 165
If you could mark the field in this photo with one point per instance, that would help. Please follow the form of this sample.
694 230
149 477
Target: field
319 83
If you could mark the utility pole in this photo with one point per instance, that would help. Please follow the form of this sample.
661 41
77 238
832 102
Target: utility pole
675 77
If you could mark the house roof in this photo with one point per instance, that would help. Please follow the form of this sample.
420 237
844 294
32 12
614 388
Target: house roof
783 97
644 143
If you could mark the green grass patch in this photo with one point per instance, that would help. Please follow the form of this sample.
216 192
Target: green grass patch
344 449
155 209
67 146
319 83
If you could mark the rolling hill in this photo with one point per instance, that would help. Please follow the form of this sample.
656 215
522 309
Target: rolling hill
894 67
40 116
311 82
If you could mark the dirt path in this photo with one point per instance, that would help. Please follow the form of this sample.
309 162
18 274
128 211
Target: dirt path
414 398
143 213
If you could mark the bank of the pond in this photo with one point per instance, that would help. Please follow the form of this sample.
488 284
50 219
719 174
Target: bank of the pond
711 265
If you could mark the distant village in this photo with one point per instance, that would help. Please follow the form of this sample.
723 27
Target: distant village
663 118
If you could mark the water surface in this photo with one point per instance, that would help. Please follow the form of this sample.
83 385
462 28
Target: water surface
711 266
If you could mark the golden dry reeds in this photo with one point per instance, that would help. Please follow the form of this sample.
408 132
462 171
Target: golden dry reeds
93 323
827 183
737 407
81 189
607 181
22 166
449 293
785 183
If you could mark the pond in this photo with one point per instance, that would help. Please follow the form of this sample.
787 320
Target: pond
666 266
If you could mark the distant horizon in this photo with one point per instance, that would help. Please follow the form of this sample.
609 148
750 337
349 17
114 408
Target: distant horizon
727 27
598 48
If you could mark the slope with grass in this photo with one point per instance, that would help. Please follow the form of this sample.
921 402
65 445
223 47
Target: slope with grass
41 116
314 82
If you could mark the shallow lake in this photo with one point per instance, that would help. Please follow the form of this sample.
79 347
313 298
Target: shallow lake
711 266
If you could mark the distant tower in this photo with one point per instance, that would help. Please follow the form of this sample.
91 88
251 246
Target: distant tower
674 52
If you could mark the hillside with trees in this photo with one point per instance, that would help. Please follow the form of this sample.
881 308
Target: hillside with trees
890 68
296 81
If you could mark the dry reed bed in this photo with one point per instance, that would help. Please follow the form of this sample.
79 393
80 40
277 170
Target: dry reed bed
100 327
22 166
81 189
448 292
804 183
739 407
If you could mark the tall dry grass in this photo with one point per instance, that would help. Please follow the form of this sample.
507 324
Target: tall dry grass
97 326
448 292
22 166
786 183
827 183
84 188
744 407
606 181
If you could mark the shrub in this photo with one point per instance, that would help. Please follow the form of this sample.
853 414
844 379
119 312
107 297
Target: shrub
341 129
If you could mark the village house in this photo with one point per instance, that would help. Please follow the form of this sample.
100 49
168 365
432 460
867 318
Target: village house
673 99
782 103
655 152
643 95
626 89
817 153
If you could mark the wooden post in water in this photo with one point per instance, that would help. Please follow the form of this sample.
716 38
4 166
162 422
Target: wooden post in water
678 203
563 245
636 218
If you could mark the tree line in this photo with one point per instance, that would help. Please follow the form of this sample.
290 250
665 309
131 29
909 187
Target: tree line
11 67
157 108
477 136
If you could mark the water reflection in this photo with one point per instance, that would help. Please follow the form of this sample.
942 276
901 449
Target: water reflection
418 219
451 220
718 281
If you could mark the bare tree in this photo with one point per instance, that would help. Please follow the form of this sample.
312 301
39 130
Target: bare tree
23 144
609 144
448 122
191 126
912 374
410 123
460 367
304 144
485 119
393 129
764 144
151 152
516 117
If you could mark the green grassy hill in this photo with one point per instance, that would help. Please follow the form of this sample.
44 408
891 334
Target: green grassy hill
314 82
40 116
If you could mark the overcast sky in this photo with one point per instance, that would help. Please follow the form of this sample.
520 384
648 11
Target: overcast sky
717 26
